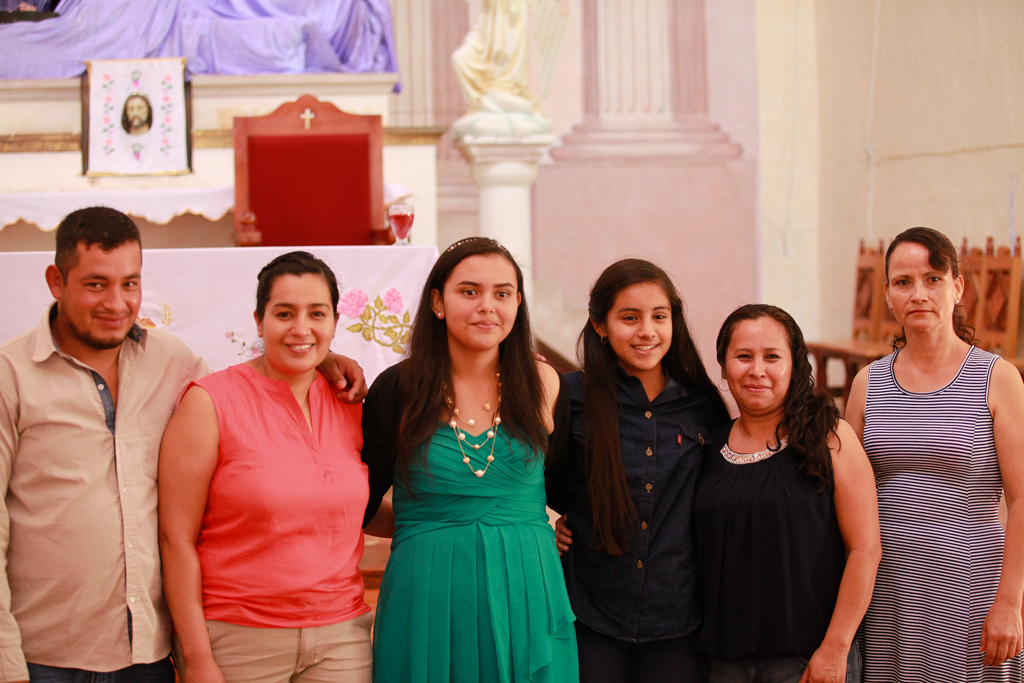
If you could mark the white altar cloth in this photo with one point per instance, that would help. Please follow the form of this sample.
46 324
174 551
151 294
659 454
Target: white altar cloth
157 205
206 297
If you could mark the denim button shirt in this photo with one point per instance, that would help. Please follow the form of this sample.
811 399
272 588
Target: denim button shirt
649 592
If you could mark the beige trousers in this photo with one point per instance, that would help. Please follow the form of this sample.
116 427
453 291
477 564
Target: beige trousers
323 654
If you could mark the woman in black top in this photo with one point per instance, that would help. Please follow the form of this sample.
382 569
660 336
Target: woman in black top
641 411
785 517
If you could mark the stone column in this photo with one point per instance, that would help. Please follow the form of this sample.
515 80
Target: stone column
504 169
644 84
647 173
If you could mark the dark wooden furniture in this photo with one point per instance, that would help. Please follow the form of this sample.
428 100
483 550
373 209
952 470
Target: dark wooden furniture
873 325
990 304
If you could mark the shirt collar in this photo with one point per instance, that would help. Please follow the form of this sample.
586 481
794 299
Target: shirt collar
45 346
635 387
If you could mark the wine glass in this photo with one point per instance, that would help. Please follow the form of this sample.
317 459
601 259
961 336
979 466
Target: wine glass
400 216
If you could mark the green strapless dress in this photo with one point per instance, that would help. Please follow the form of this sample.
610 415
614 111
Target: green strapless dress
474 590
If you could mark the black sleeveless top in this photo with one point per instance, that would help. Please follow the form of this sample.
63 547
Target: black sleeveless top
769 556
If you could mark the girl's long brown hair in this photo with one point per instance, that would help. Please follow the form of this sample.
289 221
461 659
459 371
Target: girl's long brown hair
610 501
429 368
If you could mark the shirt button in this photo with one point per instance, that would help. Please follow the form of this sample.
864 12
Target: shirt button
131 600
643 525
124 489
639 564
131 545
648 415
649 451
649 487
100 387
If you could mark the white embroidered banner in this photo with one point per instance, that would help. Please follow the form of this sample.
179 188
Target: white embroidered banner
206 298
137 117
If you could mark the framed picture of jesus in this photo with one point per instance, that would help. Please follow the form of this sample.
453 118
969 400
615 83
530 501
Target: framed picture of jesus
135 120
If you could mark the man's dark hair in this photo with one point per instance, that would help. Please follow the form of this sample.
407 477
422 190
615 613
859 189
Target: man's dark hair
100 225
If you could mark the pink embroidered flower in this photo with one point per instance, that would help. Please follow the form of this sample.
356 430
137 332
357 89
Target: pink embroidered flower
165 141
106 119
106 77
166 99
393 300
229 335
110 98
353 303
167 78
110 141
167 120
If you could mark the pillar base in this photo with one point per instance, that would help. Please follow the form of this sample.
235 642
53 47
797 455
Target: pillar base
639 141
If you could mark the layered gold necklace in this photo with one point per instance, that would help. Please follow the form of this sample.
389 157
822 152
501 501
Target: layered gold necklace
492 433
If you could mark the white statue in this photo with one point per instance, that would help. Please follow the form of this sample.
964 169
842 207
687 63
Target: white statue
493 66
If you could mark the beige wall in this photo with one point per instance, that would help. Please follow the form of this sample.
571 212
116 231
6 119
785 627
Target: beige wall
787 95
944 120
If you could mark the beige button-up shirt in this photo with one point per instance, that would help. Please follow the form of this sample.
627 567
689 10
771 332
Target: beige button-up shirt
78 523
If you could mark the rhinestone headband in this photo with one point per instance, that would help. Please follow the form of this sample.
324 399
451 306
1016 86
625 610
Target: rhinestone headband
467 240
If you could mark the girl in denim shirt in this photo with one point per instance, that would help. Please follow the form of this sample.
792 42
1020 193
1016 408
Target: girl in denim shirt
641 411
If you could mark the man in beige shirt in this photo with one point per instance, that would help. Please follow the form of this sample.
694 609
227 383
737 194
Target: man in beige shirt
84 399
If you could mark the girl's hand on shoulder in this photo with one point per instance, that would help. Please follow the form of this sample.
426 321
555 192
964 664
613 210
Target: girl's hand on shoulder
563 537
827 665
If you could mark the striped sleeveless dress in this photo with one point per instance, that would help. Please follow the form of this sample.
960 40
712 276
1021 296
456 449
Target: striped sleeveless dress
939 488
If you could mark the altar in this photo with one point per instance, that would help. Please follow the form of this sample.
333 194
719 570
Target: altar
206 298
41 149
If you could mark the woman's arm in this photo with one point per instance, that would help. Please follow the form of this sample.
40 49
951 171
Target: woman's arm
1001 635
556 461
383 523
855 404
381 418
188 458
857 514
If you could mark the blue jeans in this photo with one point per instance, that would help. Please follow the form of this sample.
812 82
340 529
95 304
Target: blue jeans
157 672
775 669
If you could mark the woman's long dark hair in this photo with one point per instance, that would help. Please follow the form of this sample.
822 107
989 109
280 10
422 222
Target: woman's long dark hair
810 418
610 500
942 257
429 369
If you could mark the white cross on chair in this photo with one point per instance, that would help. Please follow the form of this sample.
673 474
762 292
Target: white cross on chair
307 116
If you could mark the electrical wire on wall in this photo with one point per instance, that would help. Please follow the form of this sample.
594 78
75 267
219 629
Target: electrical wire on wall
869 142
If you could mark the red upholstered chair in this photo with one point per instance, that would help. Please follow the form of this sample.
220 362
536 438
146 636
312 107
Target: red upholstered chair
308 174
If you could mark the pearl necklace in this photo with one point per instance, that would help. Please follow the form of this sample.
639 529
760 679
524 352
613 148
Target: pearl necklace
492 433
492 436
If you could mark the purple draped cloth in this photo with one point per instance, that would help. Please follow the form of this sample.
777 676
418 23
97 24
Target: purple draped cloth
215 36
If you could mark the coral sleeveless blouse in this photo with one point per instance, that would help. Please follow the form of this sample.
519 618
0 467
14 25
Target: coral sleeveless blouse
281 537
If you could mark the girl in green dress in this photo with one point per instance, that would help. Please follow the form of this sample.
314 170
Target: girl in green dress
464 429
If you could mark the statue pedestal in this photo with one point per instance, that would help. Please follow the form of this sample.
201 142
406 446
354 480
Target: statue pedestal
504 168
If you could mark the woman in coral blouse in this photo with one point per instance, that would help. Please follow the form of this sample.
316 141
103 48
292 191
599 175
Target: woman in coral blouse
262 494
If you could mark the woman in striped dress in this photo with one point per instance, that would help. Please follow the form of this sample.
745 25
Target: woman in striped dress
943 424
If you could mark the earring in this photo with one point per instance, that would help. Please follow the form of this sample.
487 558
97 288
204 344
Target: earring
726 387
604 340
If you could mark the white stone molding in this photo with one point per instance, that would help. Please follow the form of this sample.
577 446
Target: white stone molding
645 85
